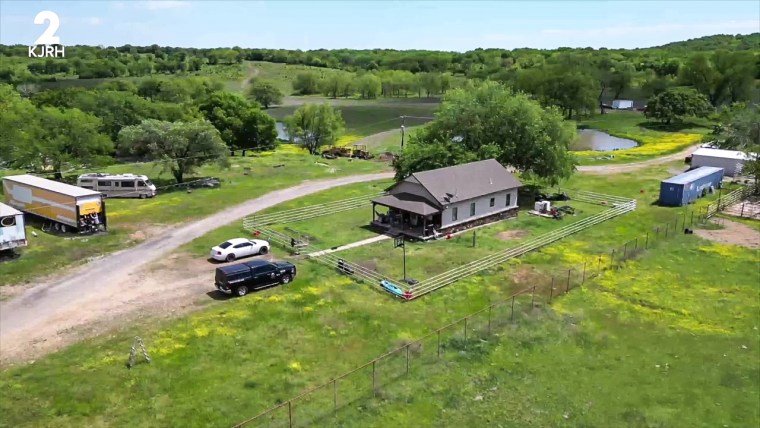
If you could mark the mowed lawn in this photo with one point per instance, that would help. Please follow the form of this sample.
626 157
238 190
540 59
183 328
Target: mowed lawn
670 340
130 220
262 349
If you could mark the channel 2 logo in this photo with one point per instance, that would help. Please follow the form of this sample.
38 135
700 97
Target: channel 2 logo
48 45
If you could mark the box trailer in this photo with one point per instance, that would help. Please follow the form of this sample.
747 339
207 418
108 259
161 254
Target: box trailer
689 186
66 206
732 161
622 104
12 231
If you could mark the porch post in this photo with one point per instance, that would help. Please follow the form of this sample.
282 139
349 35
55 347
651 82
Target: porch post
424 226
373 212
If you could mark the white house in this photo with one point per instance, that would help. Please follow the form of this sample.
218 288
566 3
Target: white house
449 199
732 161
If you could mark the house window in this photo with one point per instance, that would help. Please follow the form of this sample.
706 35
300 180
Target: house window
472 209
454 214
493 201
509 199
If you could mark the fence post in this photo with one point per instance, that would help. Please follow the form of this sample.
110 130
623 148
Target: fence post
335 396
551 291
533 297
583 279
742 213
439 343
675 226
407 358
667 226
567 287
646 242
465 333
636 244
373 378
691 222
290 414
625 251
612 257
489 319
512 315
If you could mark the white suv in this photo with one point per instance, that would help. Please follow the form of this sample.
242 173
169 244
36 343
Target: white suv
239 247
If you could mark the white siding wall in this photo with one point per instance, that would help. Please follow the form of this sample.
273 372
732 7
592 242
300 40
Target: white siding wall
482 207
730 166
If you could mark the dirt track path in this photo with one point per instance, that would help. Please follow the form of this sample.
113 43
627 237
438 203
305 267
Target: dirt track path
43 318
628 167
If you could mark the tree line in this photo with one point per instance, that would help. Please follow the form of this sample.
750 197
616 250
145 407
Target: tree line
185 123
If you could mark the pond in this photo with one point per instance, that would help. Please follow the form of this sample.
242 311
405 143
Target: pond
590 139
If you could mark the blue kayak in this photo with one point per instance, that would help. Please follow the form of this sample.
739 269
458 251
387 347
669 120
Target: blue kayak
392 288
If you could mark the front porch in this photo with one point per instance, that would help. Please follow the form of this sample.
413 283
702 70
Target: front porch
415 226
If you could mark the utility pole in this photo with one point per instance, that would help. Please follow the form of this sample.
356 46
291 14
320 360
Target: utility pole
403 121
399 242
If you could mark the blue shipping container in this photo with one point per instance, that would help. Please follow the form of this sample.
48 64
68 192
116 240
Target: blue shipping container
687 187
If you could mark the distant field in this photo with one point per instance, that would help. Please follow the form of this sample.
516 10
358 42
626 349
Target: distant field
281 75
365 118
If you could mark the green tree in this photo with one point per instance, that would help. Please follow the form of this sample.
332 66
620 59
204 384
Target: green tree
265 93
306 83
368 85
181 147
724 77
315 125
17 124
60 138
490 121
740 130
677 103
241 124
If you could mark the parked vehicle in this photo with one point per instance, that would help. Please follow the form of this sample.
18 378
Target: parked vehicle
118 185
12 232
360 152
66 206
238 248
241 278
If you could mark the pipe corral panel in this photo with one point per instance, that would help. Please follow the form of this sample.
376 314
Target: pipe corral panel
689 186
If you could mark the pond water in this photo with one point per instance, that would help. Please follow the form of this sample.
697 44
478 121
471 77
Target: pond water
590 139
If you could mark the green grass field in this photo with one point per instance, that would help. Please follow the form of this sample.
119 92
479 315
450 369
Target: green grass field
281 75
128 217
663 342
654 139
369 117
265 348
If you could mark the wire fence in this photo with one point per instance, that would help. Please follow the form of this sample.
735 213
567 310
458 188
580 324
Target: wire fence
733 203
258 225
322 403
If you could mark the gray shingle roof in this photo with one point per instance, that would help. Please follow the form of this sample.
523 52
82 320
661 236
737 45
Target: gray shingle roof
467 181
407 202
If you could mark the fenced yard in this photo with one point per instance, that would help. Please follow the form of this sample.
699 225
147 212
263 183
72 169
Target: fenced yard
323 404
280 228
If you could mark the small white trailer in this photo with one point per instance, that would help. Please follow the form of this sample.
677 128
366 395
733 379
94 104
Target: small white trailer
622 104
12 231
732 161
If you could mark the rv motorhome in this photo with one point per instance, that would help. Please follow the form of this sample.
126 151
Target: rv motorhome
118 185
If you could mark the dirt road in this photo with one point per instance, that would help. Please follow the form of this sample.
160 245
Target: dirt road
44 317
628 167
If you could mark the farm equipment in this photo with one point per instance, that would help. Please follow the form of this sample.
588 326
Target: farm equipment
545 209
361 152
554 197
567 209
335 152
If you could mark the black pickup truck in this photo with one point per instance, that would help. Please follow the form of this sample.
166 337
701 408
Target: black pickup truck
241 278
